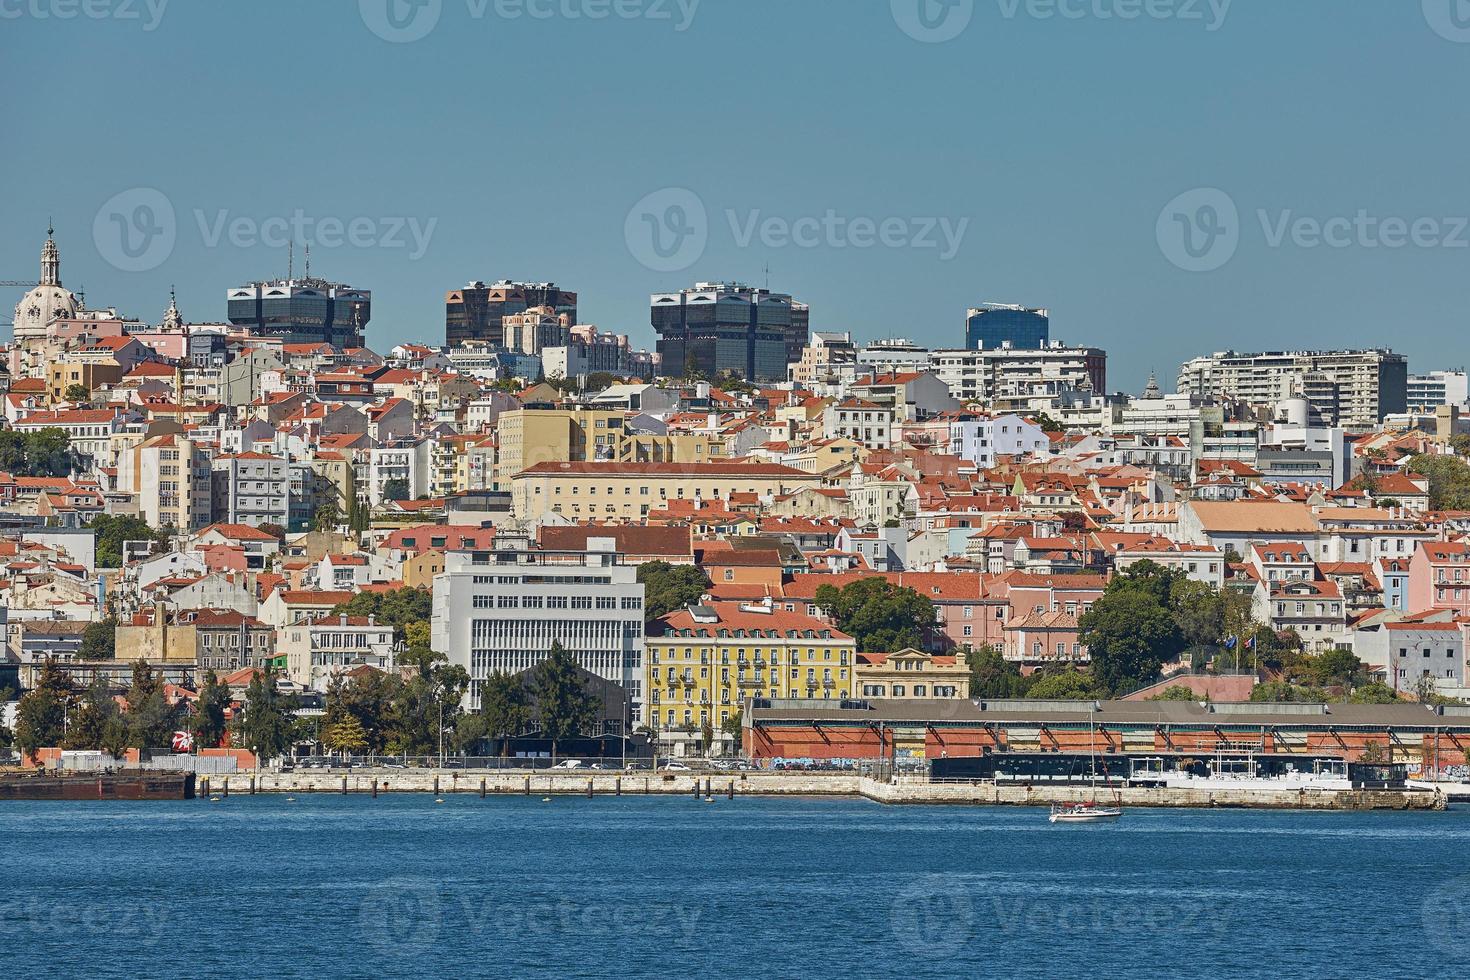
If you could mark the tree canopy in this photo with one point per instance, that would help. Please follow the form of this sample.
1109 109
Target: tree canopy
45 452
880 616
1449 480
564 708
398 608
40 718
112 531
266 723
1130 631
667 587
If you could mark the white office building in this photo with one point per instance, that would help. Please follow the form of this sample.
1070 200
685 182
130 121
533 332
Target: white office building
501 610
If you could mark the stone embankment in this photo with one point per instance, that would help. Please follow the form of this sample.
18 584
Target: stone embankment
731 784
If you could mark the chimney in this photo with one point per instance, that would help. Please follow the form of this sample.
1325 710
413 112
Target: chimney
342 619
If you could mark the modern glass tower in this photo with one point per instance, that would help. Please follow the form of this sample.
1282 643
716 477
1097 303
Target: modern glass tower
301 311
717 327
991 326
475 312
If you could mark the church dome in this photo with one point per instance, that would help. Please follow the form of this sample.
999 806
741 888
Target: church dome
48 300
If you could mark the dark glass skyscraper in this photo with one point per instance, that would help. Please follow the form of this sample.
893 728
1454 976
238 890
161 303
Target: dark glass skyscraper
301 311
474 312
991 326
718 327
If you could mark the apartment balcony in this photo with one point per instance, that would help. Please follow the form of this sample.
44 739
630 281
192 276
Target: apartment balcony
751 682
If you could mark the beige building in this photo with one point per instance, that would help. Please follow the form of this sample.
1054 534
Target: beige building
911 673
573 435
628 491
172 477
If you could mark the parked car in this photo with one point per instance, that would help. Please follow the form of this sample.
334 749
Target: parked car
568 764
675 767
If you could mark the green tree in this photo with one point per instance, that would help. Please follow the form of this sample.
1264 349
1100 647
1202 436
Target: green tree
1065 685
40 718
992 676
210 724
346 736
328 515
265 724
7 737
45 452
1279 691
427 705
99 640
1338 666
733 725
89 719
76 393
395 489
880 616
564 708
1374 693
151 720
505 709
369 697
667 588
112 531
1129 636
1176 692
398 608
1449 480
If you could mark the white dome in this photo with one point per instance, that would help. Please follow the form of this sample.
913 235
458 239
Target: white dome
46 301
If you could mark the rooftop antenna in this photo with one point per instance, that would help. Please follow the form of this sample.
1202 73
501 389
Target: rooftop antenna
290 259
768 275
308 260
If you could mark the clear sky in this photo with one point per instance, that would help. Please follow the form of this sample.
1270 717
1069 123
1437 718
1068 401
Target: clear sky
888 173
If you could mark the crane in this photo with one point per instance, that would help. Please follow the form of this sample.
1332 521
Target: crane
12 283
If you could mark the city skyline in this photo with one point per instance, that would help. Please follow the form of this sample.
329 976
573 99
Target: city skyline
1053 194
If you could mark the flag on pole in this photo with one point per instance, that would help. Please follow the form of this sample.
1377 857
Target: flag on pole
1250 643
1230 642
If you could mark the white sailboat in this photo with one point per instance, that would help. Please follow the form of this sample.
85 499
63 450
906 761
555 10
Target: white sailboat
1086 811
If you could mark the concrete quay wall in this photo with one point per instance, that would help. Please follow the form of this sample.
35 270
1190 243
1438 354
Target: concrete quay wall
542 783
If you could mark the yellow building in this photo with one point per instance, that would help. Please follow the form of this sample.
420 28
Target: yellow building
708 659
911 673
530 436
628 491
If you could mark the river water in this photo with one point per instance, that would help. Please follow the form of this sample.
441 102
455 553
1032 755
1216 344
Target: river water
333 886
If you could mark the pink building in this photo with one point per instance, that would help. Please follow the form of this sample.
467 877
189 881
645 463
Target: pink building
1439 577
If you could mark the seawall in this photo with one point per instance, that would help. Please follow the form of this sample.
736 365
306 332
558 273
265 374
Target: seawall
903 792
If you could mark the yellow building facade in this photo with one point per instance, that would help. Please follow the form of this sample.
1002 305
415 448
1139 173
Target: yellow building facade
628 491
706 661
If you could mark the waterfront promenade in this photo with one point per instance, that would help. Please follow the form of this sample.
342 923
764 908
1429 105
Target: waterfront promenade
775 784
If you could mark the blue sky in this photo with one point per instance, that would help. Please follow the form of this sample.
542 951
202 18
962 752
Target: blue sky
817 137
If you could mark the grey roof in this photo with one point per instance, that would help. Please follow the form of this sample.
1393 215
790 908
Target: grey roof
972 713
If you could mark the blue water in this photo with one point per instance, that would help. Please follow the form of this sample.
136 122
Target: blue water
332 886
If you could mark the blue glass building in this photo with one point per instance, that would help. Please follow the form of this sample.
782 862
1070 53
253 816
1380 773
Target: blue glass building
992 326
